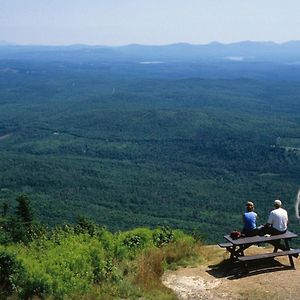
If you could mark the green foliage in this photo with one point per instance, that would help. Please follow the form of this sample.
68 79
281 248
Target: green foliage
20 227
163 236
11 273
85 225
59 269
129 243
64 263
23 211
5 209
5 231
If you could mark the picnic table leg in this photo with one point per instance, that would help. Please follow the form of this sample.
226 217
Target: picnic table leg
291 261
235 253
276 245
241 252
287 246
246 267
232 253
243 248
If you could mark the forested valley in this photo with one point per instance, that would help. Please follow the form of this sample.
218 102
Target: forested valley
129 143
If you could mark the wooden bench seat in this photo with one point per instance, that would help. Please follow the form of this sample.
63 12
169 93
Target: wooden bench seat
268 255
225 245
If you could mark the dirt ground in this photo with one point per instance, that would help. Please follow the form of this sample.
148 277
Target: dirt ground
272 279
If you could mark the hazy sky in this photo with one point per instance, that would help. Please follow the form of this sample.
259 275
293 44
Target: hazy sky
119 22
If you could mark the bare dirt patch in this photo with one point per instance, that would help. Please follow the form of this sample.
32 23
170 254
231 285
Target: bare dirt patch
272 279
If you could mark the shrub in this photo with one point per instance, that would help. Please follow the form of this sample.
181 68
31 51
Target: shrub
107 240
11 272
129 243
85 225
163 236
37 284
5 238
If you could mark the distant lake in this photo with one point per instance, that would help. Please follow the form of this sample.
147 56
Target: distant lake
151 62
235 58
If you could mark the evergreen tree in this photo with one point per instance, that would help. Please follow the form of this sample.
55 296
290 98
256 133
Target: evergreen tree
5 208
23 211
21 225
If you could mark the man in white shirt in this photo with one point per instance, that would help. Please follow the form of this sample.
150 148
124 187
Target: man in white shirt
277 223
278 219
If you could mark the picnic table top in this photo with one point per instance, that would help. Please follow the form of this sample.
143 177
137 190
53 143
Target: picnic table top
258 239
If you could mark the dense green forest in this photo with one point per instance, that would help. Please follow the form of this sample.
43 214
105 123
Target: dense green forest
129 144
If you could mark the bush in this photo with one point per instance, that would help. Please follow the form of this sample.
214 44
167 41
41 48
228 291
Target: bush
163 236
5 238
131 242
85 225
11 272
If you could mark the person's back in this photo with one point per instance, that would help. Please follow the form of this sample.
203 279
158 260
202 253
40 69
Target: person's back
278 219
277 223
249 218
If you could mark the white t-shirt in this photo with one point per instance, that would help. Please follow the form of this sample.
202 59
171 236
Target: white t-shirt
278 218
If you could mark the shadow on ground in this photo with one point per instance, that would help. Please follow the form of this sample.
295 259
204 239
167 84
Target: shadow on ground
231 271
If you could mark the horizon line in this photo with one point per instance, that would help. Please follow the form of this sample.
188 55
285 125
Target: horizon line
7 43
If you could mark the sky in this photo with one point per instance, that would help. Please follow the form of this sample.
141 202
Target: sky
148 22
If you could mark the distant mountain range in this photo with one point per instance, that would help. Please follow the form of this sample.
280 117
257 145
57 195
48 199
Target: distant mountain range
248 51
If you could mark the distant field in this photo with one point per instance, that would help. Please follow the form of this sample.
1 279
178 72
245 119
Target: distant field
290 142
5 136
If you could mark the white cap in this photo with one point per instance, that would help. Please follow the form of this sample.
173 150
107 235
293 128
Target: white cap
277 202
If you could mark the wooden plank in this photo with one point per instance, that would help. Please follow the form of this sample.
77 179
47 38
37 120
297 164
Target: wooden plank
269 255
225 245
260 239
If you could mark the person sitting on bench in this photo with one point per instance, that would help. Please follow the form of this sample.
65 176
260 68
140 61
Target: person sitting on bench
249 218
277 222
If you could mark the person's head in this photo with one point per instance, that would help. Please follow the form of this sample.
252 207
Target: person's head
250 206
277 203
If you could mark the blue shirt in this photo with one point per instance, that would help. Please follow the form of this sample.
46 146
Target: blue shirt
250 220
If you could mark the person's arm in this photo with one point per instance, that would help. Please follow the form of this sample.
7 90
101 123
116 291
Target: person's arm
256 216
270 220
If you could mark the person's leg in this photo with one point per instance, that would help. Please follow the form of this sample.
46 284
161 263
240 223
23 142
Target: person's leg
262 230
249 233
277 245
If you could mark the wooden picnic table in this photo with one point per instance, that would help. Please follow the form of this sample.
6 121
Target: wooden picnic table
236 247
